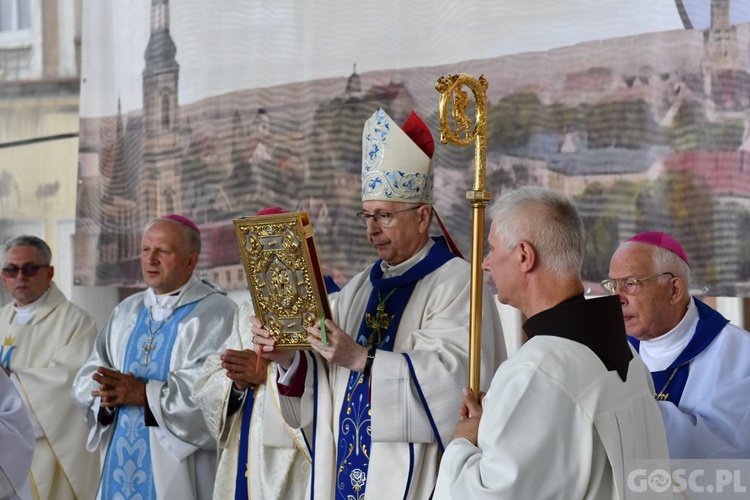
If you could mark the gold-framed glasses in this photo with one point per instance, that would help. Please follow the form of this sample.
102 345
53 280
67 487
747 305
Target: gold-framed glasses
628 285
383 219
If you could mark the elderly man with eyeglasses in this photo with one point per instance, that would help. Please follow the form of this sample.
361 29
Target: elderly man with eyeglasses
698 361
376 396
44 340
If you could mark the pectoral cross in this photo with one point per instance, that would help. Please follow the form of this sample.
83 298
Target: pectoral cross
150 346
147 348
379 321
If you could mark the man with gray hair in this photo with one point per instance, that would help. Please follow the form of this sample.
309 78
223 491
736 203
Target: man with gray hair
565 414
136 387
374 393
698 360
44 340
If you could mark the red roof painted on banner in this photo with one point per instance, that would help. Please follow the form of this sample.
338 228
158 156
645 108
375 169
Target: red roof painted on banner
726 173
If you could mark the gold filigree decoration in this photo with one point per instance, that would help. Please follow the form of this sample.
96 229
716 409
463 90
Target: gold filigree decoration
453 109
283 273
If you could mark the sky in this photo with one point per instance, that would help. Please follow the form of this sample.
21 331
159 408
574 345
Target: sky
699 12
229 45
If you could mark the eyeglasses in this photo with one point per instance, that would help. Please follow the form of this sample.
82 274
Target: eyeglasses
29 270
628 285
383 219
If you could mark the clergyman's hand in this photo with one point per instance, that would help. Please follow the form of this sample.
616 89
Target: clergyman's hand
241 368
266 345
116 388
339 348
471 413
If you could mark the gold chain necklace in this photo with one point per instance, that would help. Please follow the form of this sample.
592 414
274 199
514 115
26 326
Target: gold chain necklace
661 396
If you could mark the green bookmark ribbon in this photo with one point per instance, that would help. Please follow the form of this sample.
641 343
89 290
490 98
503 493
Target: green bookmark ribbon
323 332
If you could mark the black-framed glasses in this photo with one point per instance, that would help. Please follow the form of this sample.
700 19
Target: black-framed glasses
29 270
628 285
383 219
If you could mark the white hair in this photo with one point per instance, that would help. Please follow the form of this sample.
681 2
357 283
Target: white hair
547 220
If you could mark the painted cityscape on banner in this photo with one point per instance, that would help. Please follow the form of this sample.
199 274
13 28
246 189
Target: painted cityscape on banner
645 132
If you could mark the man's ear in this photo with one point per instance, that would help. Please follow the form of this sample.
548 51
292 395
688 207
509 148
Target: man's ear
193 261
677 290
424 212
526 256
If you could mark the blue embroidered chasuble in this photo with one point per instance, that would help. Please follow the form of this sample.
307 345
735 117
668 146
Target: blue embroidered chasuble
127 471
670 383
379 325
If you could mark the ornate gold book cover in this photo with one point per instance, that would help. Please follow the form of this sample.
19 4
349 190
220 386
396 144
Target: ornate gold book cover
283 274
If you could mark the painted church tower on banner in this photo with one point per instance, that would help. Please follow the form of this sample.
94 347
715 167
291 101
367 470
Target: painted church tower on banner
161 184
721 48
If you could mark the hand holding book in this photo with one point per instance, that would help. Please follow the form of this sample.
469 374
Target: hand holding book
284 275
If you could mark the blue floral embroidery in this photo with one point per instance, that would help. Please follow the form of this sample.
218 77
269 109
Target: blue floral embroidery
395 184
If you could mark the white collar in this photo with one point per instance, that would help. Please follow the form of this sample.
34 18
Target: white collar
661 352
25 314
390 271
162 306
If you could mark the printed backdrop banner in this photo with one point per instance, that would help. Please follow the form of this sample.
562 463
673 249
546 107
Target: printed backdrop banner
639 111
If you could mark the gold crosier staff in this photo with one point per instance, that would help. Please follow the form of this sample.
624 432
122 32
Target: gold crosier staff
453 103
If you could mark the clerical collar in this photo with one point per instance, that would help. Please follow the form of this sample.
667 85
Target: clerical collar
25 314
162 306
596 323
659 353
399 269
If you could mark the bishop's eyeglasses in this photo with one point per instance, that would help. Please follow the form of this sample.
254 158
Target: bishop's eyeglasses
29 270
383 219
628 285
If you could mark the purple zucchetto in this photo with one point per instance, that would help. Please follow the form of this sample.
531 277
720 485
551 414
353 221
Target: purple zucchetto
271 211
661 240
182 220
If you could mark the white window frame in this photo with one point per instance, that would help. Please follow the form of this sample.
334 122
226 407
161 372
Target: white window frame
17 37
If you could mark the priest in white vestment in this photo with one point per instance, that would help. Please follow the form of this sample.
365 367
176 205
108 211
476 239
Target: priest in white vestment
44 340
568 415
700 363
17 438
135 389
375 396
260 456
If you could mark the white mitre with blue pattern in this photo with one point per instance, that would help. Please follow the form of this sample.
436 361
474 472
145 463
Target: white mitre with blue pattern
394 167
